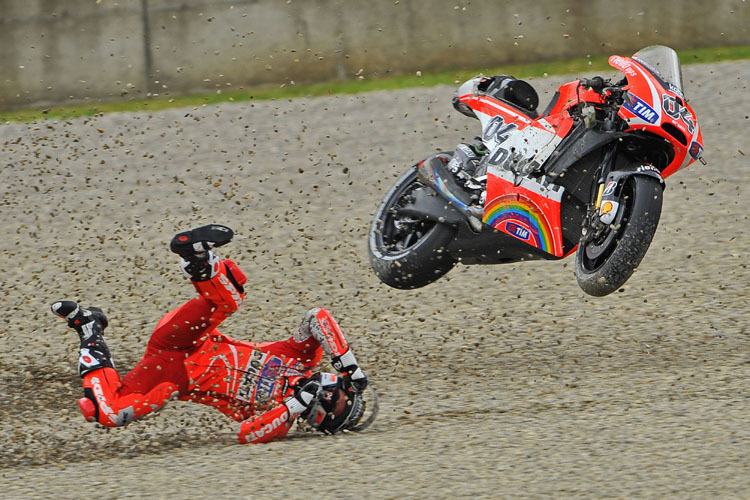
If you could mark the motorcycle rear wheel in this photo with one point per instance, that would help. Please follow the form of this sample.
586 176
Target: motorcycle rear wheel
606 263
406 252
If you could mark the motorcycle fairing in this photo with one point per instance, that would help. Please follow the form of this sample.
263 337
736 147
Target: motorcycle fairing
639 106
578 144
654 106
528 211
518 144
491 246
515 141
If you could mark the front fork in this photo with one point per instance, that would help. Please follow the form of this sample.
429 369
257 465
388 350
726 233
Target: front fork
599 215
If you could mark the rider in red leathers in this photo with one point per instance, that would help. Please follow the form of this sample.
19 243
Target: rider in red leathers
265 386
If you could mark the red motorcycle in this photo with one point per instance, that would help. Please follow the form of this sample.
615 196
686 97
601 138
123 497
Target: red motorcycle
587 174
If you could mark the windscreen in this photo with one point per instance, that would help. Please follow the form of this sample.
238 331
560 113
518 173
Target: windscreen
662 61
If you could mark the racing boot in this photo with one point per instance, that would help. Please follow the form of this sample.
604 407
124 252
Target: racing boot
198 262
101 382
218 281
89 324
200 240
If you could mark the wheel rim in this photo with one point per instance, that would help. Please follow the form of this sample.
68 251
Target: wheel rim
600 248
397 233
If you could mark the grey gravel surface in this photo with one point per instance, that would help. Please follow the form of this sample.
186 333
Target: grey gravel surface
495 382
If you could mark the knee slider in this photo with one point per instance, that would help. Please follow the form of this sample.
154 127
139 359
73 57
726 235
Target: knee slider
326 331
302 333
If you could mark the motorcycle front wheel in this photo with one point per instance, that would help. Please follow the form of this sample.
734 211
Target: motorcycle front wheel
407 252
605 263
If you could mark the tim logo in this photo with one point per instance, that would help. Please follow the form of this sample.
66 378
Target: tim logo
640 109
519 232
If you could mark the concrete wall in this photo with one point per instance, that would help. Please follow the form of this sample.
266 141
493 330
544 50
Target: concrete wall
57 51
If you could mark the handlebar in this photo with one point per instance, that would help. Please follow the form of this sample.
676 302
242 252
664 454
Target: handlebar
606 88
597 83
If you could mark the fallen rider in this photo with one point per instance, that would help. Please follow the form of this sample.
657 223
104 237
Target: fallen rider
265 386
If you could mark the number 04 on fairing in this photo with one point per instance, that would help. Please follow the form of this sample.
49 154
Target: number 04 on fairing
585 176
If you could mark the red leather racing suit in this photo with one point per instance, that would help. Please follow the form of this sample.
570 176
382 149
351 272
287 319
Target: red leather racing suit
188 358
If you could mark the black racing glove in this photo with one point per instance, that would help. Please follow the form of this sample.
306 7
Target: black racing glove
305 394
346 364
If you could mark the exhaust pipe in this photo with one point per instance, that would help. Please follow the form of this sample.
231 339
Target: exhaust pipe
433 173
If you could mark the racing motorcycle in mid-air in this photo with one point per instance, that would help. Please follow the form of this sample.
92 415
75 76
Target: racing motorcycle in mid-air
585 176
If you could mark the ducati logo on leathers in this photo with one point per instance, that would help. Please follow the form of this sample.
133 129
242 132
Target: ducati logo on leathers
268 428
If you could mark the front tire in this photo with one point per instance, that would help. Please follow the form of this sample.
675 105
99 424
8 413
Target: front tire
406 252
604 264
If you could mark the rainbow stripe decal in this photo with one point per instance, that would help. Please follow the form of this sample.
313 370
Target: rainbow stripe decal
521 218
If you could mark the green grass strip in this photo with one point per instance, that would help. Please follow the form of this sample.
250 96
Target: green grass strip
287 91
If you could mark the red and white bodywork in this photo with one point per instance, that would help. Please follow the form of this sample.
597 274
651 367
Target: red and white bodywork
527 207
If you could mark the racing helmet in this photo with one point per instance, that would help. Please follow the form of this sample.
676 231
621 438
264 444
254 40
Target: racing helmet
340 407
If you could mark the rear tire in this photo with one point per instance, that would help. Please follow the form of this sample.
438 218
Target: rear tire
406 252
606 263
